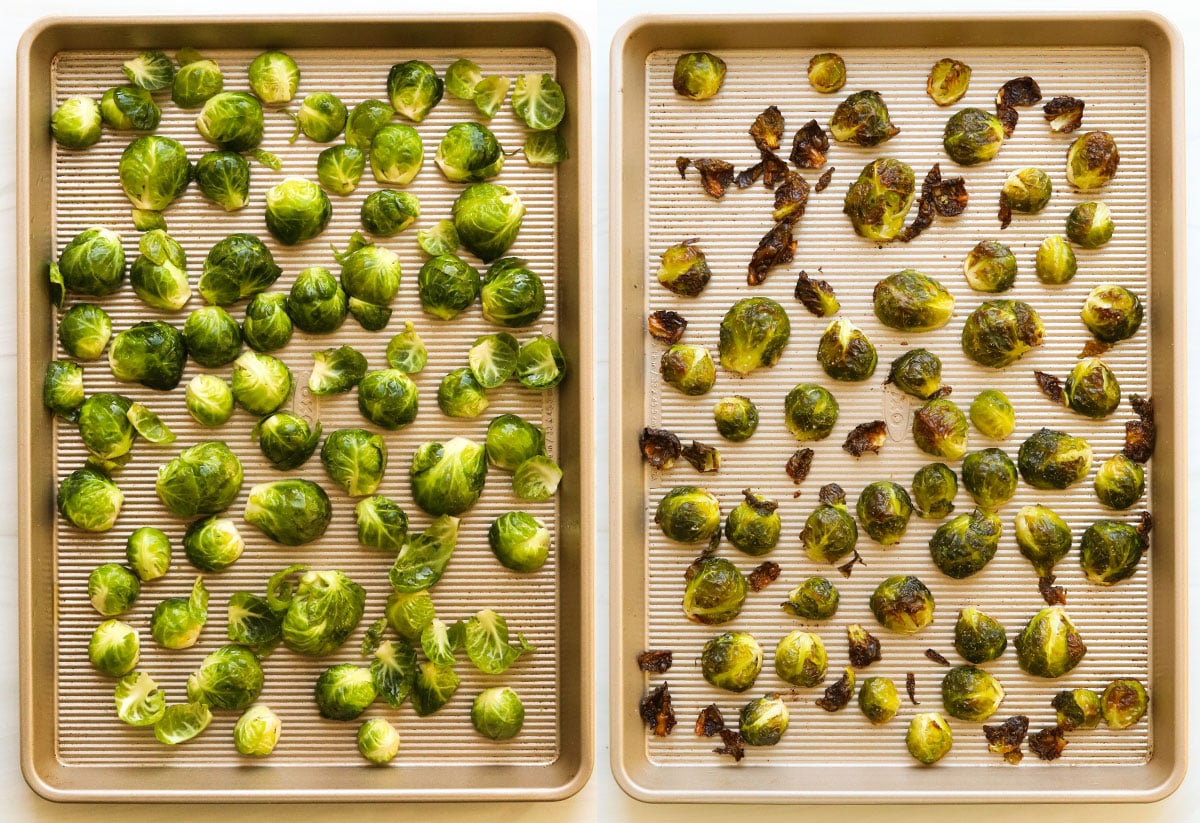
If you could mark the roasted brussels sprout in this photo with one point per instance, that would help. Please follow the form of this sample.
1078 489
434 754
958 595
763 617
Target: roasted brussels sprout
1026 190
209 400
970 693
461 395
84 331
1055 263
537 478
139 701
511 294
414 89
149 553
159 274
763 721
934 488
493 359
903 604
689 515
1000 332
396 154
827 72
177 621
520 541
355 459
487 218
963 545
297 210
212 543
322 117
1051 459
541 363
1123 703
1090 225
753 334
497 713
883 509
230 678
688 368
684 269
316 303
736 418
1120 482
511 441
183 722
1077 708
698 75
800 659
845 353
978 638
1112 313
973 136
203 479
213 338
929 737
948 81
990 267
76 123
1092 160
104 425
364 121
237 267
387 212
830 532
1043 537
93 262
62 388
993 414
406 351
232 120
917 372
1092 389
129 108
940 428
151 353
287 440
321 613
862 119
814 599
1110 551
715 592
260 383
114 648
878 700
539 101
990 477
877 203
388 398
112 589
753 525
448 478
1049 645
340 168
345 691
274 77
257 731
153 171
447 286
469 153
267 326
196 81
911 301
731 661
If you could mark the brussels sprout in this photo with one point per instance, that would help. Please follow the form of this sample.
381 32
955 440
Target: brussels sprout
408 613
447 286
364 122
253 623
112 588
489 95
84 331
541 363
1043 537
177 621
929 737
963 545
827 72
1110 551
973 136
487 645
316 303
830 532
1092 160
369 272
286 440
1092 389
753 525
151 353
370 316
539 101
1077 708
878 201
1055 263
423 559
212 543
345 691
297 210
715 592
487 218
396 154
493 359
1026 190
204 479
378 741
993 414
267 326
232 120
698 75
355 459
181 723
76 123
814 599
274 77
990 477
62 389
230 678
461 78
763 721
1090 225
129 108
511 441
688 368
213 337
862 119
406 351
511 294
260 383
469 153
736 418
999 332
381 524
196 81
537 478
139 701
940 428
1123 703
93 262
1049 645
1112 313
440 238
497 713
321 613
149 553
322 117
970 693
414 89
237 267
89 500
1051 459
113 649
684 269
150 70
917 372
810 412
732 661
1120 482
387 212
878 700
209 400
520 541
448 478
845 353
911 301
948 81
159 274
388 398
753 334
545 148
934 488
339 168
104 425
292 512
883 509
461 395
978 638
689 515
257 730
903 604
990 267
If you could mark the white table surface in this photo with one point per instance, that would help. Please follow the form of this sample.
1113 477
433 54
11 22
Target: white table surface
601 799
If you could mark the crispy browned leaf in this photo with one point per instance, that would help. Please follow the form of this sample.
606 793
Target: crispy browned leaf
1004 213
936 657
656 711
746 177
655 660
1020 91
847 568
837 694
824 180
767 129
816 295
764 575
732 744
710 721
1140 434
715 175
939 196
1048 744
682 163
949 196
1006 738
910 685
666 326
866 437
703 457
1050 386
1053 595
791 198
799 464
923 220
1065 114
810 146
864 647
776 248
774 169
1094 348
1008 118
660 448
832 494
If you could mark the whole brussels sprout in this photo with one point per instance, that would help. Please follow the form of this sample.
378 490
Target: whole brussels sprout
973 136
1110 551
929 737
114 648
688 514
917 372
232 120
511 294
396 154
1123 703
89 500
845 353
934 488
903 604
355 459
763 721
493 359
84 331
940 428
684 269
830 532
203 479
112 589
1027 190
1092 389
1120 482
151 353
321 613
181 723
76 123
993 414
414 89
1049 645
537 478
1055 263
1090 225
267 326
149 553
736 418
316 303
287 440
1092 160
104 425
322 116
365 120
878 700
378 741
237 267
388 398
260 383
129 108
753 525
511 441
487 217
999 332
230 678
715 592
977 637
381 523
541 363
448 478
497 713
213 543
274 77
877 203
1043 537
209 400
447 286
827 72
1077 708
1051 459
814 599
990 477
731 661
460 395
406 351
883 509
698 75
990 267
196 81
340 168
970 693
461 78
257 731
753 334
387 212
297 210
862 119
369 272
213 338
345 691
159 274
688 368
1112 313
154 171
963 545
520 541
911 301
469 153
93 262
176 622
539 101
62 389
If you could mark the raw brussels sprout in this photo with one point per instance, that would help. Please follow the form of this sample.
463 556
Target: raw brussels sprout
1055 263
689 515
149 553
827 72
1051 459
541 363
129 108
232 120
883 509
274 77
753 334
993 414
1092 389
461 395
355 459
763 721
181 723
810 412
321 613
1110 551
753 525
340 168
537 478
396 154
370 316
963 545
204 479
448 478
978 638
447 286
539 101
406 351
104 425
364 121
322 117
715 592
237 267
736 418
414 89
287 440
408 613
316 303
267 326
990 267
257 730
814 599
336 371
487 218
440 238
934 488
434 687
177 621
511 294
345 691
1123 703
917 372
150 70
1090 225
970 693
151 353
973 136
911 301
830 532
1120 482
297 210
213 338
84 331
423 559
520 541
230 678
1112 313
89 500
990 477
139 701
209 400
878 700
387 212
545 148
1027 190
688 368
487 645
684 269
1049 645
511 441
196 81
381 523
260 383
948 81
1092 160
929 737
112 589
253 623
62 389
76 123
469 153
93 262
731 661
903 604
149 425
114 648
999 332
940 428
369 272
378 741
493 359
489 95
461 78
845 353
1077 708
698 75
212 543
159 274
862 119
497 713
388 398
1043 537
878 201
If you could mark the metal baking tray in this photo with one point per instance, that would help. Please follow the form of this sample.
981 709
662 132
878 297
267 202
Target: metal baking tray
72 745
1127 68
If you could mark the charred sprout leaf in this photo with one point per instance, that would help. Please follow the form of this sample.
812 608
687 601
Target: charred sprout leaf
704 458
732 744
973 136
1064 114
948 81
799 464
698 75
810 146
666 326
791 198
656 711
936 656
1000 332
715 175
660 448
864 647
1093 348
1140 434
684 269
910 685
863 119
866 437
838 694
824 180
746 177
816 295
710 721
1048 744
1005 738
827 72
878 201
776 248
763 575
1092 160
1051 594
946 197
767 129
656 661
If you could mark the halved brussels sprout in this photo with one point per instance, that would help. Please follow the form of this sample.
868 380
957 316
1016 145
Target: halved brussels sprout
684 269
176 622
1092 160
689 515
963 545
387 212
545 148
203 479
89 500
422 561
396 154
520 541
461 395
539 101
1051 459
253 623
139 701
159 274
934 488
1110 551
196 81
112 589
1077 708
340 168
827 72
492 359
990 267
151 353
736 418
129 108
537 478
917 372
1000 332
878 700
1119 482
541 363
1092 389
977 637
381 523
286 440
114 648
877 203
406 351
763 721
232 120
213 543
1027 190
488 218
489 95
388 398
845 353
731 661
345 691
753 334
461 78
209 400
336 371
183 722
862 119
448 478
149 553
1043 537
260 383
1055 263
698 75
213 338
497 713
1049 645
237 267
973 136
511 441
322 117
970 693
1112 313
317 304
257 731
321 613
447 286
911 301
274 77
414 89
1090 225
364 121
469 153
369 272
1123 703
93 262
297 210
948 81
84 330
884 509
715 592
267 326
753 526
940 428
814 599
154 171
903 604
688 368
104 425
830 532
990 477
378 741
511 294
150 70
993 414
355 459
76 123
62 388
230 678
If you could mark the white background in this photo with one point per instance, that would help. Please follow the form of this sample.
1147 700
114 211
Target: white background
601 799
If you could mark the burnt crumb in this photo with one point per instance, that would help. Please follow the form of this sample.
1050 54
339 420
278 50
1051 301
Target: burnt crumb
810 146
660 448
776 248
666 326
824 180
710 721
655 660
791 198
799 464
656 711
816 295
943 391
1006 738
832 495
1048 744
693 567
864 647
866 437
1053 595
1020 91
1145 524
1094 348
732 744
936 657
1050 386
763 506
1004 213
682 163
848 567
746 177
910 685
1065 114
715 175
774 169
703 457
767 129
1140 434
764 574
1008 119
946 197
837 694
923 220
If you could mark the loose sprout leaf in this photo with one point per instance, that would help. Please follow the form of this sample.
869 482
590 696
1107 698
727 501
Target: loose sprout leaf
810 147
406 351
281 588
1020 91
440 238
866 437
1005 738
655 660
252 622
775 170
715 175
838 693
1048 744
181 723
910 685
1050 386
776 248
732 744
799 464
546 148
763 575
767 129
487 643
373 636
660 448
656 711
1140 434
1008 116
58 288
936 657
267 159
746 177
440 642
710 721
1053 595
666 326
149 425
150 70
423 560
704 458
865 648
848 568
434 687
1093 348
949 196
489 95
493 359
139 700
816 295
394 671
539 101
1064 114
791 199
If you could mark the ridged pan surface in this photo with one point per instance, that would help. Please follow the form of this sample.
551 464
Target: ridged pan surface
1113 621
87 193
